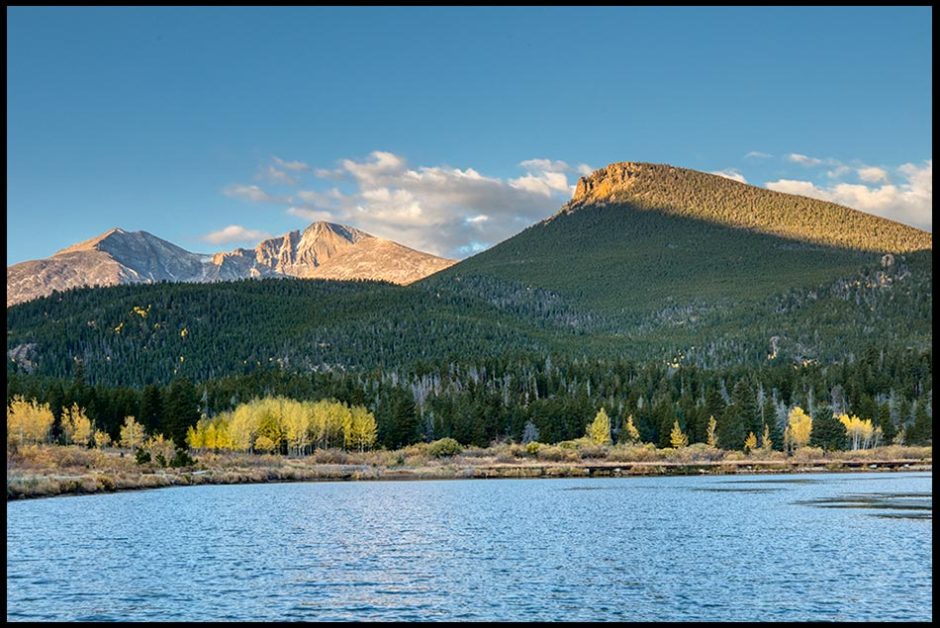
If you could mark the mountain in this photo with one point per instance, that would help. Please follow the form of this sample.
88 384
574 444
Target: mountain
646 262
323 250
639 238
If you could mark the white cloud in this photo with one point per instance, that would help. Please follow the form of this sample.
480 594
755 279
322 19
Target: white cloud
235 233
584 169
756 154
909 202
872 174
251 193
546 165
439 209
291 165
730 173
804 160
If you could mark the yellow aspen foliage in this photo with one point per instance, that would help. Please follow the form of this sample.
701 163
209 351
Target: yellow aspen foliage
195 437
711 439
242 428
599 429
132 433
296 421
362 429
210 435
677 438
631 434
28 421
264 444
76 426
799 427
861 432
223 439
102 439
750 443
765 442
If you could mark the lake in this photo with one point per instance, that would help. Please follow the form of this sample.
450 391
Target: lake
834 547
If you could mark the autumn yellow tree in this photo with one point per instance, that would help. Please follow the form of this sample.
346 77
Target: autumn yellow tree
195 437
599 429
766 444
76 426
631 435
361 429
102 439
750 443
28 421
799 427
297 420
861 432
132 433
677 438
711 438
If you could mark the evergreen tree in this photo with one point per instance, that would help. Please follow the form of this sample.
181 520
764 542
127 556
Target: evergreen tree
398 420
732 428
56 405
828 432
182 410
888 430
921 432
151 410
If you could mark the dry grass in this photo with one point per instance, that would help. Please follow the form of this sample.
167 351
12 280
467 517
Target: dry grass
37 471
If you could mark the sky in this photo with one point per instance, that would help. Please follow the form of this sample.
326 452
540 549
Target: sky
445 129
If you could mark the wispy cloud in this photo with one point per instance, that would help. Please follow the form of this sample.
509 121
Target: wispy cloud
277 176
291 165
804 160
756 154
251 193
235 233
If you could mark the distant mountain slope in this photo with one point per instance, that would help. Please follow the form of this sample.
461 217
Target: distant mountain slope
323 250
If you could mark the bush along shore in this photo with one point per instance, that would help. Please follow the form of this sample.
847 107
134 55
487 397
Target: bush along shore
49 470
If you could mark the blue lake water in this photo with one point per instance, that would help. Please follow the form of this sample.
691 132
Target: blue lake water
757 547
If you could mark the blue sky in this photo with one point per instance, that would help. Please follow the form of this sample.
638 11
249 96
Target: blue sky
445 129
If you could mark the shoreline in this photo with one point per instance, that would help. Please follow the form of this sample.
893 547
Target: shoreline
36 484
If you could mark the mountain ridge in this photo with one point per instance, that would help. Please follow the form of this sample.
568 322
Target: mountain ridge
322 250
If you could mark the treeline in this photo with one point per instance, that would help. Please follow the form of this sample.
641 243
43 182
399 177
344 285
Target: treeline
549 398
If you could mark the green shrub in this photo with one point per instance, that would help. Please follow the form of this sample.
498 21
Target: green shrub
182 459
444 447
142 456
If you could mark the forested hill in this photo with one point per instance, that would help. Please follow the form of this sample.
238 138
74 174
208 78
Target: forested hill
713 198
650 263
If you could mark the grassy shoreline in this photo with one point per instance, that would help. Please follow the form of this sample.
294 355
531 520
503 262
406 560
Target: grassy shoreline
53 471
